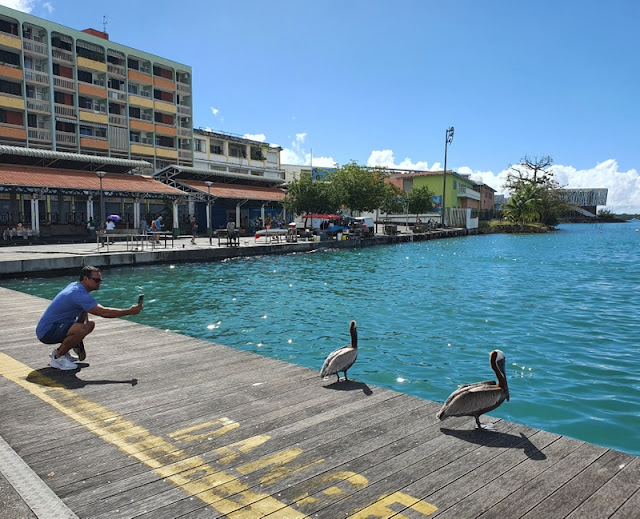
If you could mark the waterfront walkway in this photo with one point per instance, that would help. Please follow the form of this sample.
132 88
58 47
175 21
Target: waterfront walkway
157 424
22 258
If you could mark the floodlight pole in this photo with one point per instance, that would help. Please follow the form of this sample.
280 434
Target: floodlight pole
208 182
448 138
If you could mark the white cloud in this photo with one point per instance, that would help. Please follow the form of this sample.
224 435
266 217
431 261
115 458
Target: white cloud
623 186
25 6
260 137
49 7
299 156
214 111
385 158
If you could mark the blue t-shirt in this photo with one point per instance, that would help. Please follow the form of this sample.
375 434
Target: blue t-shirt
66 307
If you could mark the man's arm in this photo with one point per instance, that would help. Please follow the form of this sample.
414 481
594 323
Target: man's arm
110 313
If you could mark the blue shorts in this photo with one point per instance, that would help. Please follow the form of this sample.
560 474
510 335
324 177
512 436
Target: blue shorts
57 333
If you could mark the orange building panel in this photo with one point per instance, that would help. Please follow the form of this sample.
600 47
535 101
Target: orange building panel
134 75
93 91
88 142
143 126
13 133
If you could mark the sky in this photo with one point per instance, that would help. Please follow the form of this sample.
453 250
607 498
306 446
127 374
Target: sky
379 81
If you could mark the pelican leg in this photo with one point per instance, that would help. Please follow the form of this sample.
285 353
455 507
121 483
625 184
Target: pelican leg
345 376
478 422
338 375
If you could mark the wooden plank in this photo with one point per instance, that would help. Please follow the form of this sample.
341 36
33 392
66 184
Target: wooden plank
499 488
613 495
577 490
540 487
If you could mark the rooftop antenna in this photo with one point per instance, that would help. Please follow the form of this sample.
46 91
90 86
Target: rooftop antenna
104 23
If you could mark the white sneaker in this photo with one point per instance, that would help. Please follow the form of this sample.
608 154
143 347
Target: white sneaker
69 355
62 363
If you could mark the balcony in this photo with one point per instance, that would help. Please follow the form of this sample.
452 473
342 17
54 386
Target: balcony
86 63
165 129
117 94
185 154
62 55
116 70
185 89
65 110
99 143
36 48
164 106
66 139
11 101
35 105
38 78
13 131
11 72
10 40
117 120
39 134
60 82
467 192
184 110
184 132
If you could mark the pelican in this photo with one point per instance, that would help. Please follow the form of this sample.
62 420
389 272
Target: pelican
343 358
481 397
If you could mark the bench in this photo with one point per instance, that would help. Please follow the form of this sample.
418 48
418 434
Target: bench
134 240
231 238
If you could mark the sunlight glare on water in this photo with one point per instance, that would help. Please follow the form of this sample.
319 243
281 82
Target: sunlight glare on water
564 307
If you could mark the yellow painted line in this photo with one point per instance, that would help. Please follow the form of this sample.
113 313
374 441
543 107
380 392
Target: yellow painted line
221 490
191 474
381 509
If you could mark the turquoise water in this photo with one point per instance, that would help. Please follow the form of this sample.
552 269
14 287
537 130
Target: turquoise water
564 307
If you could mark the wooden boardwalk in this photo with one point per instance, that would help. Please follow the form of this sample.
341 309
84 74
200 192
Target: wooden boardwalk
159 425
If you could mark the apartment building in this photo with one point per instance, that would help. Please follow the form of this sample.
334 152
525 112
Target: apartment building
218 151
76 91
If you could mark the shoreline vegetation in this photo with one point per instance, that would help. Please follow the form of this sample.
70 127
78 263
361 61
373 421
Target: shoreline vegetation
504 227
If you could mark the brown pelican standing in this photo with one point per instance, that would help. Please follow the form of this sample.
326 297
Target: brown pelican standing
343 358
481 397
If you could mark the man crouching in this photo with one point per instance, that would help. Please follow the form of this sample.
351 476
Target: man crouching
66 320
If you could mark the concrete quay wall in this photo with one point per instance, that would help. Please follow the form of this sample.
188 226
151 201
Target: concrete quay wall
55 262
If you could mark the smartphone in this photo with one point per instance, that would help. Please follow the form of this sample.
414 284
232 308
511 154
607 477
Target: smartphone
140 299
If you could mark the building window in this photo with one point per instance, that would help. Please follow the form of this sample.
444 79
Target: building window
166 142
215 147
199 145
237 150
85 77
7 87
134 136
256 153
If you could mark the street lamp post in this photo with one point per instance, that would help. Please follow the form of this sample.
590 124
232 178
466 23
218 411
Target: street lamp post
101 175
208 182
448 138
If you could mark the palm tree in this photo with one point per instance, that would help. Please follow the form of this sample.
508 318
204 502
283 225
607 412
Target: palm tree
524 204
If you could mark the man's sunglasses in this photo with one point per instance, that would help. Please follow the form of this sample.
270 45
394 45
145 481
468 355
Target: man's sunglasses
97 280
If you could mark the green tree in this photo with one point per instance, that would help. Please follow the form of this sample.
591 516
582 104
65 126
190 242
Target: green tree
420 200
305 195
537 194
524 204
359 188
394 201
